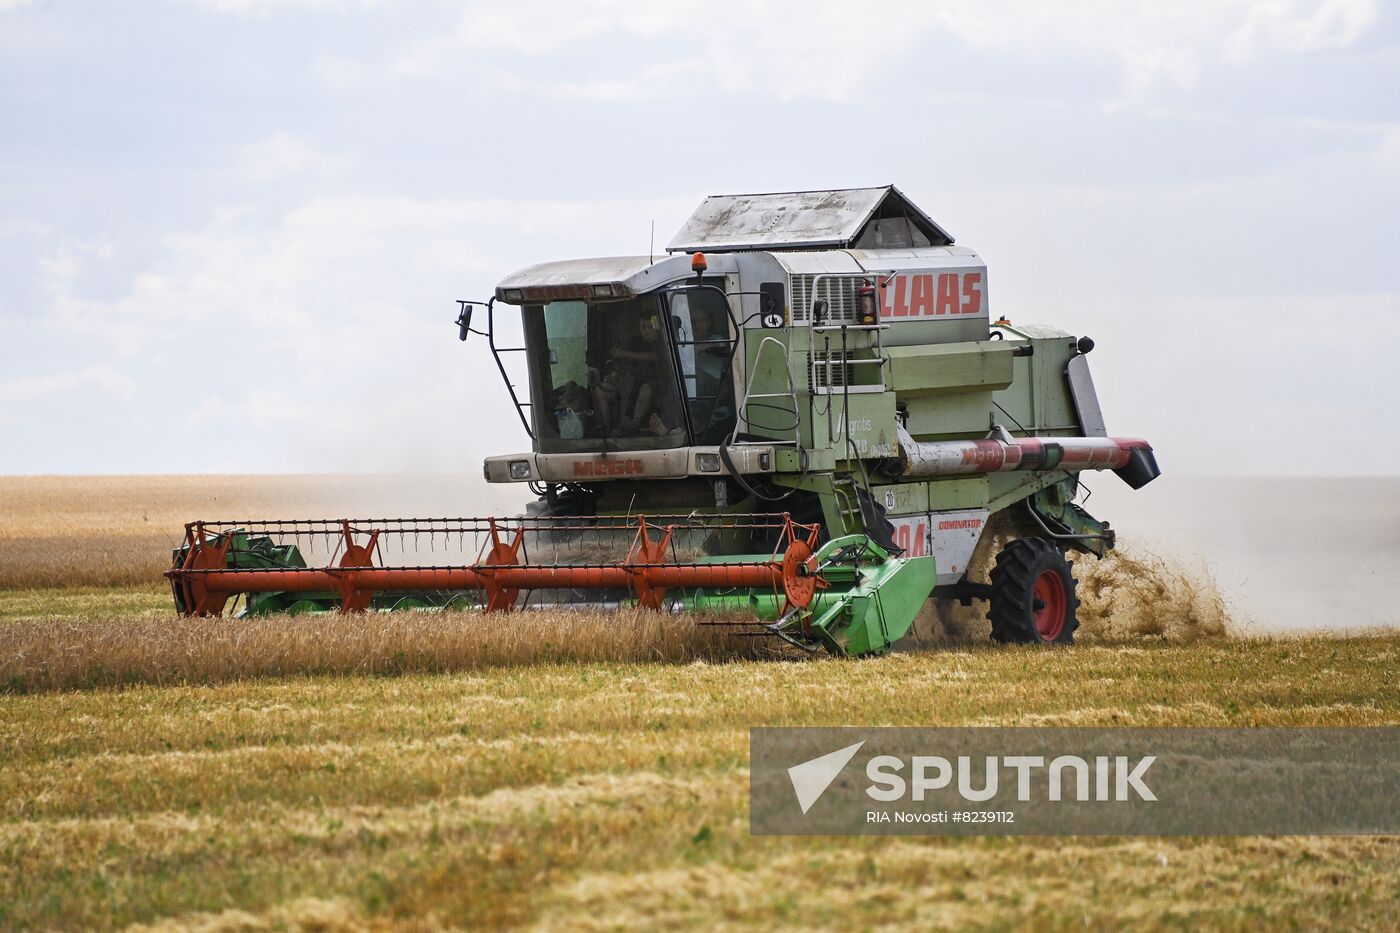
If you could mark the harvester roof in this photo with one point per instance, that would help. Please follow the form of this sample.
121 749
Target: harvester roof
868 218
842 231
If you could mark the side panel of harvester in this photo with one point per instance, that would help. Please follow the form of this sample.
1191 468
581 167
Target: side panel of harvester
849 318
918 364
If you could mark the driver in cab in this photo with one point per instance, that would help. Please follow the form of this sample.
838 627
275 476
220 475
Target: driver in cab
629 388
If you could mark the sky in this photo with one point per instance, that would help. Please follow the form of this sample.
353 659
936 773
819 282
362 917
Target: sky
232 232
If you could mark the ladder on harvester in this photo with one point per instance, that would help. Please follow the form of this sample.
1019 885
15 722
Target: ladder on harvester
766 400
829 373
846 492
832 316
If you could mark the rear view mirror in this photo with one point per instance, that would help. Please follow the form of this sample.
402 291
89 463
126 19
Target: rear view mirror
464 320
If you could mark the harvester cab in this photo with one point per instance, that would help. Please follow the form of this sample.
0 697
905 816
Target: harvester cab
802 420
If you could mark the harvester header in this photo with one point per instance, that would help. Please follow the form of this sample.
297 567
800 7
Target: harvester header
810 400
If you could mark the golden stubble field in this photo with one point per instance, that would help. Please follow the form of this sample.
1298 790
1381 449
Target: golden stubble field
447 770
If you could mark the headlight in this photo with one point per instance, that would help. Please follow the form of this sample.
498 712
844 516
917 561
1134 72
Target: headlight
602 291
513 295
708 463
520 469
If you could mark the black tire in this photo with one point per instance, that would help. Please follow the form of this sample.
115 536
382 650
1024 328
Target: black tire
1033 594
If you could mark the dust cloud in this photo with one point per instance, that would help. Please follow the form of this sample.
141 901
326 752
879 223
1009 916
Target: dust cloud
1287 554
1203 557
1131 594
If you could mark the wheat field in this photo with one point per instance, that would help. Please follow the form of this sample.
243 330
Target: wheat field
72 531
603 795
445 770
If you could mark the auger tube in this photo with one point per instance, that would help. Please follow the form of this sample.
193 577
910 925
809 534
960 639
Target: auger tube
995 455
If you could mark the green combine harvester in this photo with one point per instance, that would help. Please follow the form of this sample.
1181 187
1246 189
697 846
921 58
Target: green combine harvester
801 422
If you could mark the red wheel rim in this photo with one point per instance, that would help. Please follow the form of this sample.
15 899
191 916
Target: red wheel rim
1051 601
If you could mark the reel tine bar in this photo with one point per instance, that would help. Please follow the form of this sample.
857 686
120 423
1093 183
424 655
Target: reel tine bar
207 571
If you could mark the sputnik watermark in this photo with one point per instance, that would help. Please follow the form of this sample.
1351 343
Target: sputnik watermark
1067 777
1115 778
1078 781
811 778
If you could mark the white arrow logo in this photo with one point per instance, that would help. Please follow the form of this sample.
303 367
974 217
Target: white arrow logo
811 778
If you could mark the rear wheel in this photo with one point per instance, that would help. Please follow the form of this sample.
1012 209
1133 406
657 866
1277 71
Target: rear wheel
1033 594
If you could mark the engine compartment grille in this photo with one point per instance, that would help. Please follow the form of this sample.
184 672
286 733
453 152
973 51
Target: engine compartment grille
839 291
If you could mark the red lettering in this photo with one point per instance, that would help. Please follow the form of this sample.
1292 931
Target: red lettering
972 293
897 307
921 296
900 309
947 293
989 455
608 467
911 536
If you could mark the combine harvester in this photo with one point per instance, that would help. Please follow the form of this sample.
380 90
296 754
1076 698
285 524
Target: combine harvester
803 416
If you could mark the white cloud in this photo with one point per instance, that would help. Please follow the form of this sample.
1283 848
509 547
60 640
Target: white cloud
267 7
538 27
282 155
103 379
320 338
1160 41
297 331
1389 149
1295 27
22 228
797 49
323 335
